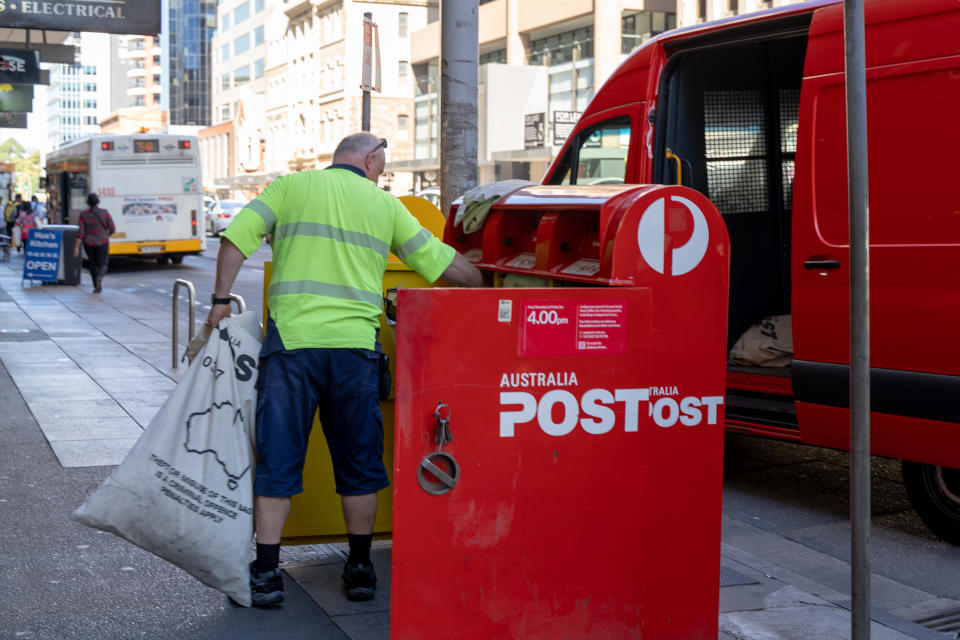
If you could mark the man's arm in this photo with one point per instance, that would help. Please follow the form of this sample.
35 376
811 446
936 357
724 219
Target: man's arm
462 272
229 261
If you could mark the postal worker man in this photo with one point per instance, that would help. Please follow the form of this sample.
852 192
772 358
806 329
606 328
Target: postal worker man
333 231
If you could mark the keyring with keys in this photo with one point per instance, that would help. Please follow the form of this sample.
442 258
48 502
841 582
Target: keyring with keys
439 472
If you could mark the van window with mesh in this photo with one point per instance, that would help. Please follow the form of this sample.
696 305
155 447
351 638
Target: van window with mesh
735 135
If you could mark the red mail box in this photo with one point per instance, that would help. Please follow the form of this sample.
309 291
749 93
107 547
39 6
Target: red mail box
580 494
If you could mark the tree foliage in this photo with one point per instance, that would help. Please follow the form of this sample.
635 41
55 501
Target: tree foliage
26 163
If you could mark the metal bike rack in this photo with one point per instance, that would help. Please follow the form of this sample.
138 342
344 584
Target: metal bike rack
192 311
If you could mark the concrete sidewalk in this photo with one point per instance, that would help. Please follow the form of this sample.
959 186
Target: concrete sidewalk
92 370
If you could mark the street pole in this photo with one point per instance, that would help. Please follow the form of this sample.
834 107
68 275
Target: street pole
459 50
859 207
367 48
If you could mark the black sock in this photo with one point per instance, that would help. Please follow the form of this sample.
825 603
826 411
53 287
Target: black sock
268 557
359 548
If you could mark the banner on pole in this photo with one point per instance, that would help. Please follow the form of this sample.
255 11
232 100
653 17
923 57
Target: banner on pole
370 79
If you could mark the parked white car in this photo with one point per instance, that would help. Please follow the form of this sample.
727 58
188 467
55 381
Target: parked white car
221 215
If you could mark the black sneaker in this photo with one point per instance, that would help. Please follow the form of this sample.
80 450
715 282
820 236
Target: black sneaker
359 581
266 589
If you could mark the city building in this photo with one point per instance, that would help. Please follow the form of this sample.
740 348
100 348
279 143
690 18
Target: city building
697 11
300 65
541 62
79 95
189 27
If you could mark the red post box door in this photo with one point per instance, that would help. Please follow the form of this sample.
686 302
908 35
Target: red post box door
538 519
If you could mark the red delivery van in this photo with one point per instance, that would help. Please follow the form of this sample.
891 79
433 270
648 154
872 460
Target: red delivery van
750 112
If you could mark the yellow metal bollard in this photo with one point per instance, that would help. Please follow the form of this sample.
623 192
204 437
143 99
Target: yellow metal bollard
315 514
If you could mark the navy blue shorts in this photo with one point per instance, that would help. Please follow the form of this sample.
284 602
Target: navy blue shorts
342 385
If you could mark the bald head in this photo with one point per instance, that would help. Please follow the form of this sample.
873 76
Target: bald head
364 151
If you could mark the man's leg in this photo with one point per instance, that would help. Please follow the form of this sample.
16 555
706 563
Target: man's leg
269 514
359 513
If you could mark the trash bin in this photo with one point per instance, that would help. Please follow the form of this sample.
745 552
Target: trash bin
49 255
580 495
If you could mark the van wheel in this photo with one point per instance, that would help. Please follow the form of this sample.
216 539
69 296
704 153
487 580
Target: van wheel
935 495
176 259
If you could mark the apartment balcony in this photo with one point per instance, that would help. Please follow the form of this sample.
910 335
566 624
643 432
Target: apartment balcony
136 73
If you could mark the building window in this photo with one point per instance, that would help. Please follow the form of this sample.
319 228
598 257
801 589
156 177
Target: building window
90 71
241 44
702 10
640 27
138 82
156 78
156 98
258 36
138 101
241 75
225 82
258 6
258 68
225 22
138 63
241 13
156 61
403 68
733 6
89 86
499 56
562 47
403 127
90 120
402 32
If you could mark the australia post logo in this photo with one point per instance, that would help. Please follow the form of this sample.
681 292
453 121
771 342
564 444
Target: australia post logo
565 405
665 234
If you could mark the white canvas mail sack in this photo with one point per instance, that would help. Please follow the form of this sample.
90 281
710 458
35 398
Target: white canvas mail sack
768 344
185 490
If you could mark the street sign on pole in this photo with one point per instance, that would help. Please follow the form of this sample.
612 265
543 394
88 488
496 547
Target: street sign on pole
369 79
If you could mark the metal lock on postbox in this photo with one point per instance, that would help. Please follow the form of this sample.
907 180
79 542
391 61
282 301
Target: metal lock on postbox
439 472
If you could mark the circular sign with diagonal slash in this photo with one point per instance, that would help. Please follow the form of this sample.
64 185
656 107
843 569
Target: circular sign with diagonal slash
438 473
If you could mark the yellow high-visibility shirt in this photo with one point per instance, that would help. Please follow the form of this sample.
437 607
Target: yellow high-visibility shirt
333 232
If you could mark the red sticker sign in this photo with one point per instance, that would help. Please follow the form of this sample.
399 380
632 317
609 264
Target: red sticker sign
565 327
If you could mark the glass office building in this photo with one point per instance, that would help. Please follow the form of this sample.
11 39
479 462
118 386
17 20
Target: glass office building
192 24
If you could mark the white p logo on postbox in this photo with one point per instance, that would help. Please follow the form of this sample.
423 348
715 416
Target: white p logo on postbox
653 234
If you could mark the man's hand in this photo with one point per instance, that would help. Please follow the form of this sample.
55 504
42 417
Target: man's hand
462 272
217 313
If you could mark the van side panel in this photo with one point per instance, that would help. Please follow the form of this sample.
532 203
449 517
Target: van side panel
913 85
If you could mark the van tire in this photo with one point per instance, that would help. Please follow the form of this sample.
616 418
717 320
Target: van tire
935 495
176 259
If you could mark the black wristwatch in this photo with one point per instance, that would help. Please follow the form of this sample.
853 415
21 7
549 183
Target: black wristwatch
214 300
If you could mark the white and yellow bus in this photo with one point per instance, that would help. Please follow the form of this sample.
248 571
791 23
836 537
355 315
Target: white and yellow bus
150 184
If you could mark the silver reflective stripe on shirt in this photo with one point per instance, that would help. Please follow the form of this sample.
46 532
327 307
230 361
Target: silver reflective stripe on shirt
325 289
320 230
264 211
410 246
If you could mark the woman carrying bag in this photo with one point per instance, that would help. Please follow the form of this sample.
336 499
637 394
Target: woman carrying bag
96 227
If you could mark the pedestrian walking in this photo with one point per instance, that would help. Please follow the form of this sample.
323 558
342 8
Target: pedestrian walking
39 211
96 227
10 213
25 221
333 231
